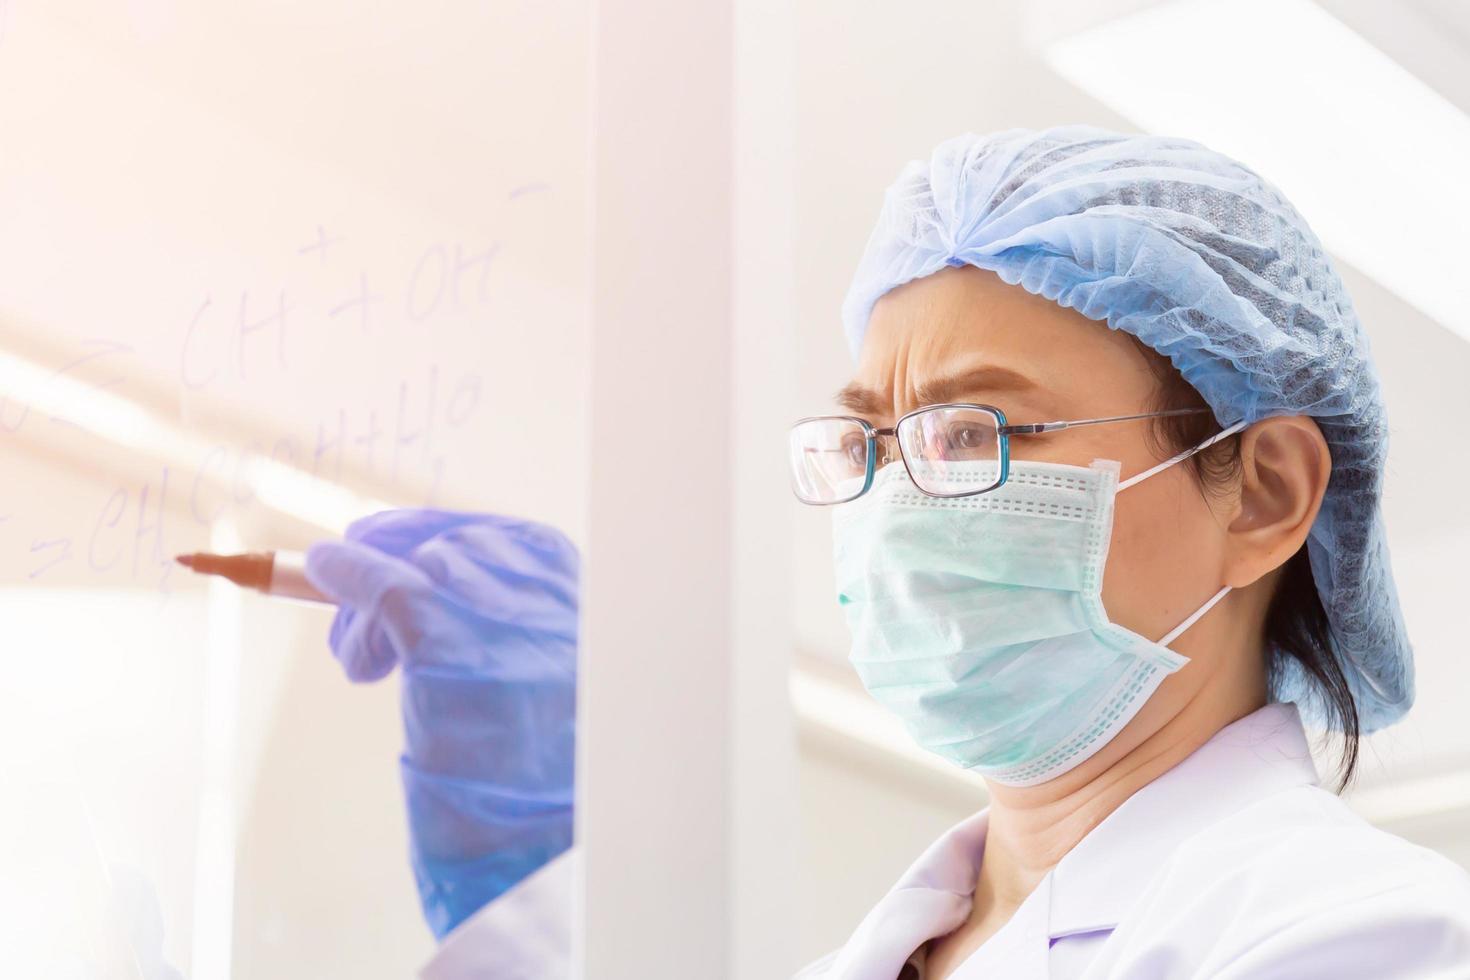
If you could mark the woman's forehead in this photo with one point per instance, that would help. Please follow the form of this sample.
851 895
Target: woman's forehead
960 321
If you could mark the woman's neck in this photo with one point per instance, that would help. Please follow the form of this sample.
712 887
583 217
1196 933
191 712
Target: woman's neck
1029 833
1032 828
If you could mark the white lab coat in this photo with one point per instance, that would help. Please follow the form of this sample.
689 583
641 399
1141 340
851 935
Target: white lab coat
1233 865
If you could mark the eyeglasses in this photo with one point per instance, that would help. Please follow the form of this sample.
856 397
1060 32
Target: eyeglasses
950 450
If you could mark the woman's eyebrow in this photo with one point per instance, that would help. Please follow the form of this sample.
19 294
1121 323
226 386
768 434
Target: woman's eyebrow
862 400
991 377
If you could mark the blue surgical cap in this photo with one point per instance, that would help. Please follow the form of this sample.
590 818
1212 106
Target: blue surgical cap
1205 262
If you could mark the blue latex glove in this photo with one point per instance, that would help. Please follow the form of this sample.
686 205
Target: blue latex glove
479 613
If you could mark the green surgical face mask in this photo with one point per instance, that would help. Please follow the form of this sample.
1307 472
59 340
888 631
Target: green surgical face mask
979 620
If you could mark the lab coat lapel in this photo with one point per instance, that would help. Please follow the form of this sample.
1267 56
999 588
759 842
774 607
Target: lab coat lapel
1019 949
933 897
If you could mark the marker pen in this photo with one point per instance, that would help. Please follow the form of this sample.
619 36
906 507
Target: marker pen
279 573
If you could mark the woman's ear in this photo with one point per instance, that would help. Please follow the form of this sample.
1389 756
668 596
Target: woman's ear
1284 465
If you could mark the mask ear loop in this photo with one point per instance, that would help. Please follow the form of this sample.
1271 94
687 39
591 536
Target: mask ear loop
1181 457
1178 631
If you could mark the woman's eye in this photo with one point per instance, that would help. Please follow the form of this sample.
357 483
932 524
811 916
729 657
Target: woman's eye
855 452
966 437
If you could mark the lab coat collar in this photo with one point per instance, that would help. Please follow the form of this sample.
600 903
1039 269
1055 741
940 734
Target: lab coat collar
1095 885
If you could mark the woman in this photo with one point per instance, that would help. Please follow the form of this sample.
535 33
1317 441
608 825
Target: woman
1120 622
1154 810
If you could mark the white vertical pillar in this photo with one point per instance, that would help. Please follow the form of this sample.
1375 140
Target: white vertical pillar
763 774
654 712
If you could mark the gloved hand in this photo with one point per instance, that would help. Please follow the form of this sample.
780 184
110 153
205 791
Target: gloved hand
479 613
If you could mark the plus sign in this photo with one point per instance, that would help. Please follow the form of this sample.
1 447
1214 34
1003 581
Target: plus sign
321 243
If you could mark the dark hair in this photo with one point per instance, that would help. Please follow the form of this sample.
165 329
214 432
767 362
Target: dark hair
1296 626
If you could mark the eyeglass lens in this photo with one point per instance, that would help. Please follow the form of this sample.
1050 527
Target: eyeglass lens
952 451
949 451
829 460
